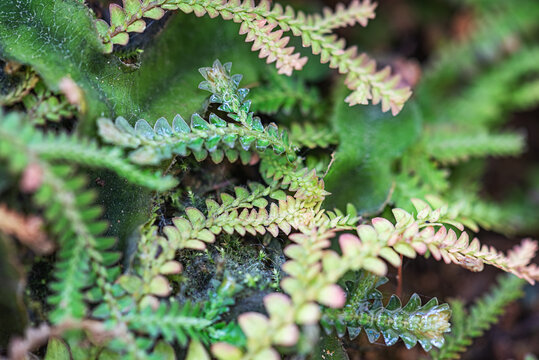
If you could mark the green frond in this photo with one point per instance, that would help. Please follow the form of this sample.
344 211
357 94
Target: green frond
486 100
415 163
282 93
481 316
452 147
45 105
294 177
254 196
494 27
468 208
364 309
506 217
355 13
84 260
216 138
348 218
526 96
88 153
412 185
312 135
174 322
29 143
25 80
76 236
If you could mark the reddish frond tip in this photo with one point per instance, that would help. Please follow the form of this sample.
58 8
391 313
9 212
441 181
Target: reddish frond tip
522 254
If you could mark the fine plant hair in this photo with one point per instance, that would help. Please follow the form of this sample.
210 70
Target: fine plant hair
230 220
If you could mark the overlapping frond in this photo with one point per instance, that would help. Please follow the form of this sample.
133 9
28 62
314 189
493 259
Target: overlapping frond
280 93
294 177
217 137
411 236
50 147
265 25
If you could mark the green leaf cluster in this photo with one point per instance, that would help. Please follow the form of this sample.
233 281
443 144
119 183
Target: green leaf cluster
364 309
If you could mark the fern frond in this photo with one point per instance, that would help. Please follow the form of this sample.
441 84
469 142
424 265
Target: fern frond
419 176
254 196
216 138
312 135
413 186
474 212
272 45
225 91
338 218
494 27
481 316
259 23
411 236
174 322
196 229
364 310
86 152
84 259
294 177
28 79
454 147
285 93
526 96
43 105
366 83
486 100
50 147
68 208
79 232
